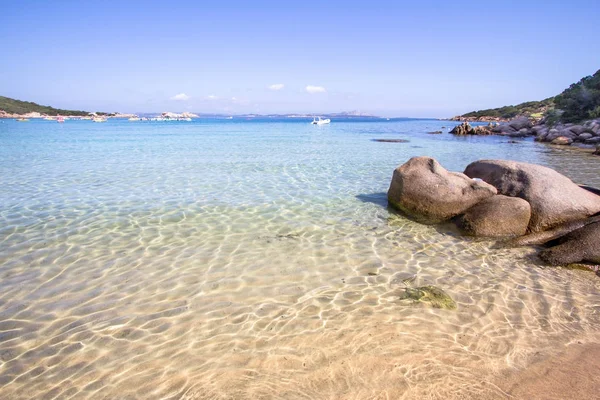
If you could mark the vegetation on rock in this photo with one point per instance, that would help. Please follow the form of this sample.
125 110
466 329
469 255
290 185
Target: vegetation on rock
581 100
578 102
530 109
12 106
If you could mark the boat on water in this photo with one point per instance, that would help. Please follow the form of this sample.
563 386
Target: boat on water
60 119
134 119
319 121
99 119
22 119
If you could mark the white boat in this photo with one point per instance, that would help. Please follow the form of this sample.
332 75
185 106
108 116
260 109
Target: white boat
99 119
319 121
134 119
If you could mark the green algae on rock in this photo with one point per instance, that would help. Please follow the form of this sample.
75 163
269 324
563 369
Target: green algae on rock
429 294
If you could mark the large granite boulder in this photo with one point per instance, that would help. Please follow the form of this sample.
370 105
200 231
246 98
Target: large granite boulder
581 245
553 197
425 190
519 123
562 140
463 129
496 216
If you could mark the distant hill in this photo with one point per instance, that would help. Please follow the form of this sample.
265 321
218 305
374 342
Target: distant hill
12 106
578 102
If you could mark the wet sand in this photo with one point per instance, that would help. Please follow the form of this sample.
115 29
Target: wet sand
573 373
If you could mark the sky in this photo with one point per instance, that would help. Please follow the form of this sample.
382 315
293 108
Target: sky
405 59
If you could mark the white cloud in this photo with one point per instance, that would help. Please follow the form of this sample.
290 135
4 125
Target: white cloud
315 89
211 97
180 97
277 86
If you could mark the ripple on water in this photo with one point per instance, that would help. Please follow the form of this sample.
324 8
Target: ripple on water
151 272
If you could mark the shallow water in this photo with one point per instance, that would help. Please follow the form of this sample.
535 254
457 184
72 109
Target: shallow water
228 259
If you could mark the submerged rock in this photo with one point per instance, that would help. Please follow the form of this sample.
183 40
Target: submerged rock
553 197
429 294
425 190
391 140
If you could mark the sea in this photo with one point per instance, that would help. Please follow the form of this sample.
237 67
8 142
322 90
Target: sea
257 259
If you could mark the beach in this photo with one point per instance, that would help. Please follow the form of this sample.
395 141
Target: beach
259 259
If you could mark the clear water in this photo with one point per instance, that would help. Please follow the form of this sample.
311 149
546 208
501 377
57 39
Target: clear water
258 259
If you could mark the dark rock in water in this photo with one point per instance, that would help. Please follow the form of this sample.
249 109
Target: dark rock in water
553 197
520 123
482 130
435 132
597 151
391 140
496 216
552 234
466 129
581 245
430 294
463 129
514 141
425 190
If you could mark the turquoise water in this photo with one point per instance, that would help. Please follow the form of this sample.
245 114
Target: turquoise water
258 259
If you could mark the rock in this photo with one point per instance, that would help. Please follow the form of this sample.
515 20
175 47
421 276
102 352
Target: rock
504 129
482 130
577 129
391 140
463 129
435 132
553 197
552 234
597 151
429 294
425 190
562 140
581 245
520 123
593 140
496 216
585 136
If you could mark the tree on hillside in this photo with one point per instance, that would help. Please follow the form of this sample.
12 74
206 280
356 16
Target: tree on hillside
581 100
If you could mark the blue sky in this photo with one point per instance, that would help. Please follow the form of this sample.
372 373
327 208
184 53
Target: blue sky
419 58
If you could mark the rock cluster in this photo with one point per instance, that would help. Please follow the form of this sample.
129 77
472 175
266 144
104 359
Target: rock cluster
499 198
466 129
584 134
565 134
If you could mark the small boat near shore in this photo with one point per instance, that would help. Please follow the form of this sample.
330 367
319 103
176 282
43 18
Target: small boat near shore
22 119
99 119
319 121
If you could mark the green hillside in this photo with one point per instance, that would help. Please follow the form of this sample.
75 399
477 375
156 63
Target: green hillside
578 102
13 106
530 109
